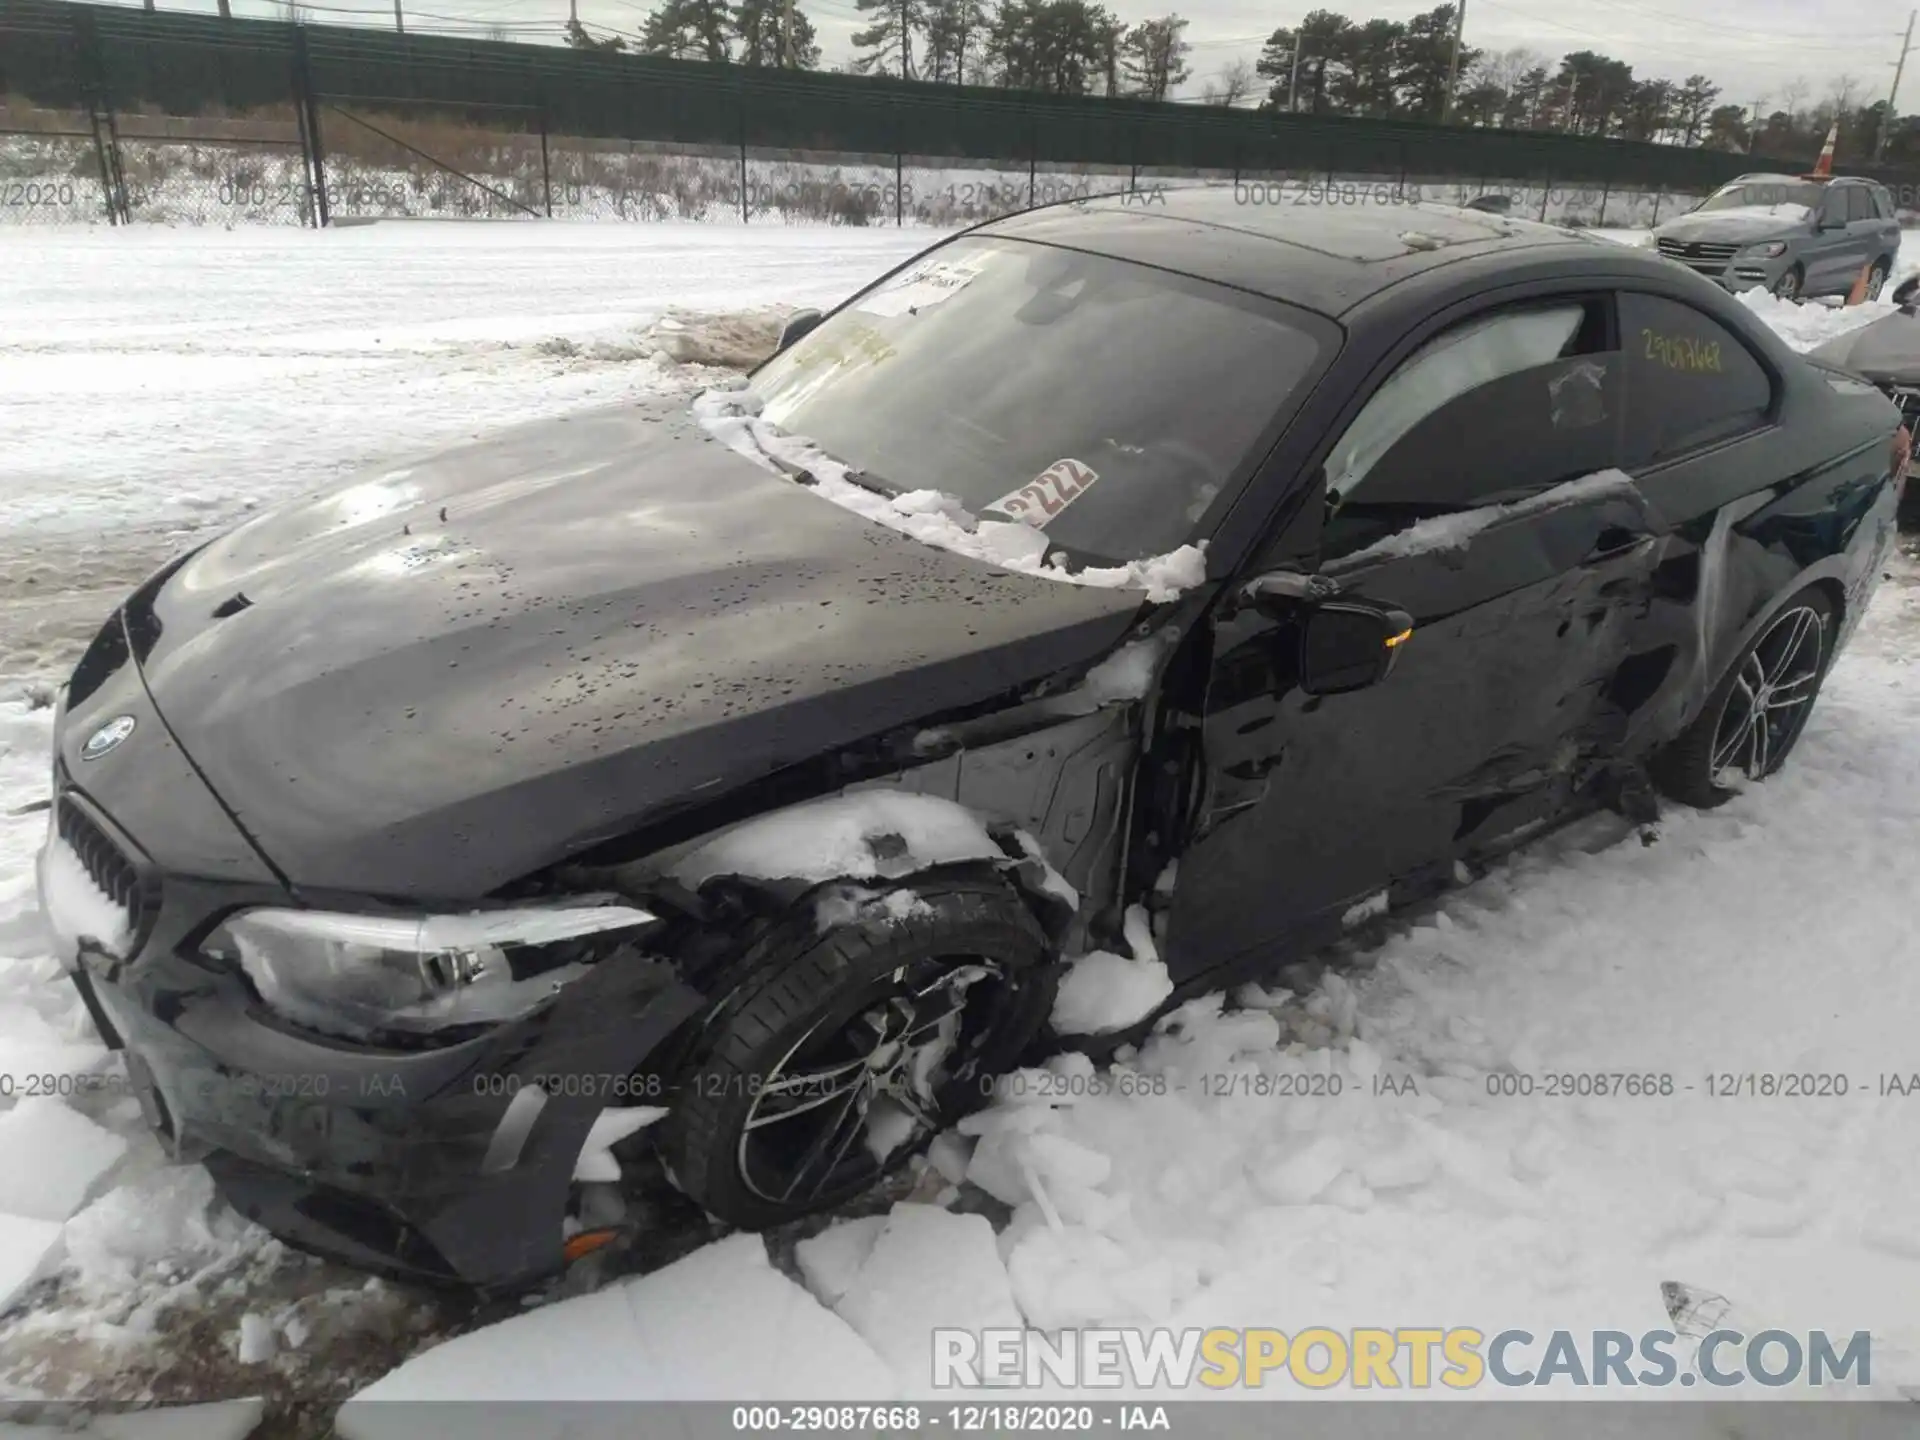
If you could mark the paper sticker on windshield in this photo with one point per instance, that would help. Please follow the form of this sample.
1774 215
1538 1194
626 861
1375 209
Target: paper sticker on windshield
923 286
1047 494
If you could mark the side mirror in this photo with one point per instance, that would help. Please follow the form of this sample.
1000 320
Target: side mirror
1347 645
798 324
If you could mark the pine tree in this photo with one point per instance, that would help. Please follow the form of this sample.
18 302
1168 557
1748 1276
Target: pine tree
690 30
887 44
759 26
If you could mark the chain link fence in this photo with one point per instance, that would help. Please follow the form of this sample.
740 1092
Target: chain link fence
118 116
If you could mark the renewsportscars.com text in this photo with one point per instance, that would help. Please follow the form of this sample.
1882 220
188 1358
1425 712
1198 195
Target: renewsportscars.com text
1365 1358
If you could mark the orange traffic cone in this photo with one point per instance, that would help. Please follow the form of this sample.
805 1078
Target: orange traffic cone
1858 294
1823 167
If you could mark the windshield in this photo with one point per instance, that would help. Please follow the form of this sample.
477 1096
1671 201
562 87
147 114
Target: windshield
1791 199
1106 404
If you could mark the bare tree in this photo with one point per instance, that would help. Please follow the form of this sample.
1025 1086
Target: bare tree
1792 94
1232 85
1844 94
1505 69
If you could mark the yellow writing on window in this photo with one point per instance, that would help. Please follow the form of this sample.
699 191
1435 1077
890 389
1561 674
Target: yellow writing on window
1687 353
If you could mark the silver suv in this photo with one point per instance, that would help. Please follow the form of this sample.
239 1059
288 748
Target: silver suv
1792 234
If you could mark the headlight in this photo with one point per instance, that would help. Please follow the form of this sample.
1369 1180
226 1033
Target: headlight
356 975
1769 249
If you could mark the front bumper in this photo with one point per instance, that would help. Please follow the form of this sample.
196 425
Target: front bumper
452 1165
1730 268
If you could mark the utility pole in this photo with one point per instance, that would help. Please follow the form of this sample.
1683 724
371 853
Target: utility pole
1753 126
1453 60
1900 65
399 20
786 33
906 44
1293 76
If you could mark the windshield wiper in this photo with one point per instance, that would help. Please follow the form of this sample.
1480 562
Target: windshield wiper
805 476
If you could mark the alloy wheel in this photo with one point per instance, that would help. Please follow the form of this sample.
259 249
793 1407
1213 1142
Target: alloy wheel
858 1089
1787 287
1771 697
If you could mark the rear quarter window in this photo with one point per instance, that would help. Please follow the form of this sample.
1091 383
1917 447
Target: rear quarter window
1691 382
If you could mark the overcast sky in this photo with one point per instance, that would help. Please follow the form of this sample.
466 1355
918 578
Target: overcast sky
1753 49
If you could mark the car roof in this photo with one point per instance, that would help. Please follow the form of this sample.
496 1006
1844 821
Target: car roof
1773 178
1323 257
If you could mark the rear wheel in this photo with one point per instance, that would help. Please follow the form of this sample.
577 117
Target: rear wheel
1756 715
1877 278
843 1053
1787 287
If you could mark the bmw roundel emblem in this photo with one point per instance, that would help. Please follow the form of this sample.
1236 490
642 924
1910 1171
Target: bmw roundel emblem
107 737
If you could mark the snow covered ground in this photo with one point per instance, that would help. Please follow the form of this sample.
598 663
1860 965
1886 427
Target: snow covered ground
154 383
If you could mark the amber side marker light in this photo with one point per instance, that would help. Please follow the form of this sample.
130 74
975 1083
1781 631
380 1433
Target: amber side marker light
586 1242
1400 639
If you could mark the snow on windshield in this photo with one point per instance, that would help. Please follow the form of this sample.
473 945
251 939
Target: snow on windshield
1784 210
932 516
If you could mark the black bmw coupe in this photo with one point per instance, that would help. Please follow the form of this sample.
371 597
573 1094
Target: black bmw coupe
740 779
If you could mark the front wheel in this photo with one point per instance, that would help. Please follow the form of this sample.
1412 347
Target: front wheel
1756 714
842 1053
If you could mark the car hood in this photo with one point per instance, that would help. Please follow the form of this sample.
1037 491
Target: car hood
434 680
1887 351
1731 227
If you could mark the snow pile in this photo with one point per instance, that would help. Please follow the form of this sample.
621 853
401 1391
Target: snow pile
30 1250
597 1162
933 517
853 836
52 1159
153 1235
720 1324
727 341
1103 992
924 1269
1784 211
1804 326
1452 532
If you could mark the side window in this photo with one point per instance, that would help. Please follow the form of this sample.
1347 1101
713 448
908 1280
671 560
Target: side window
1882 202
1496 409
1833 208
1690 381
1859 203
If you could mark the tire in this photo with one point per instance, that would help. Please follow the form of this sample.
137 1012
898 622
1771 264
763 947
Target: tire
755 1147
1788 286
1785 664
1877 277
